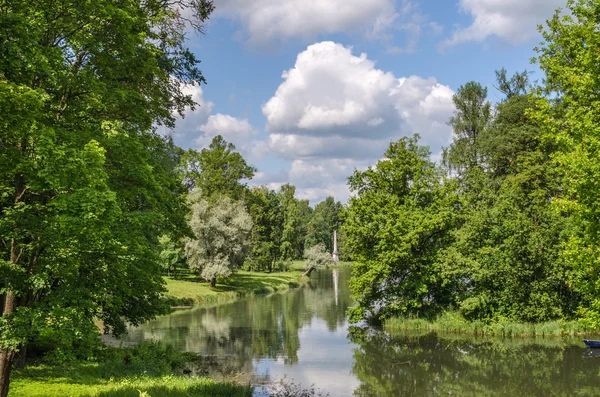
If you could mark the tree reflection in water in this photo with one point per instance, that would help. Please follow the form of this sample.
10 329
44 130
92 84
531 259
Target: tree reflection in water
425 364
257 327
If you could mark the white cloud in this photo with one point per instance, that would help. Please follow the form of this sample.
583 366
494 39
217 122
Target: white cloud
291 147
234 130
187 129
335 111
268 20
512 20
331 92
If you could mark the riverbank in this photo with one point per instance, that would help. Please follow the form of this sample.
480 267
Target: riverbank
455 322
147 370
189 290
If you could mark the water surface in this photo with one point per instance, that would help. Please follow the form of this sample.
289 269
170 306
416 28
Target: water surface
304 335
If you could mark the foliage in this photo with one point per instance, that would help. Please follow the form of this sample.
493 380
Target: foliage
171 253
221 232
324 221
569 114
317 256
86 186
265 209
290 235
217 170
397 224
471 117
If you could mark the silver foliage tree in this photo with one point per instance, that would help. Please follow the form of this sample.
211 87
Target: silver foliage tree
222 230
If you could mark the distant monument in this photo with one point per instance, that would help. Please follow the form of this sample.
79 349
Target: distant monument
335 254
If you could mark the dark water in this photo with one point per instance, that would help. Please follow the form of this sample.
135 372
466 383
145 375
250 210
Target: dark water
304 335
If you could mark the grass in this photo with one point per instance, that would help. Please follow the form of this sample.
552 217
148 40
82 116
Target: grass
148 370
455 322
189 290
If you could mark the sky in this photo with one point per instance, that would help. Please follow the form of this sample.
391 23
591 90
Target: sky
310 90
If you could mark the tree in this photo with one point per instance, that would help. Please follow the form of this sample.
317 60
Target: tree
471 117
290 237
317 256
397 226
569 114
324 221
221 233
265 209
171 253
85 185
218 169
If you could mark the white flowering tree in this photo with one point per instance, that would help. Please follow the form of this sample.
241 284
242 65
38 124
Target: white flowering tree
222 229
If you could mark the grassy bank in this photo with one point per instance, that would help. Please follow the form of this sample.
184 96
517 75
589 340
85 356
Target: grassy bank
454 322
148 370
189 290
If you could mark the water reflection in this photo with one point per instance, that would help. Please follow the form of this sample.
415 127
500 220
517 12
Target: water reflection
424 364
258 327
303 334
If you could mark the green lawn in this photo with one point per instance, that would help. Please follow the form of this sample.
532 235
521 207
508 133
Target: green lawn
147 370
190 290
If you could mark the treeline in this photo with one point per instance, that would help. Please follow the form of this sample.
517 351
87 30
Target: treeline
507 226
232 225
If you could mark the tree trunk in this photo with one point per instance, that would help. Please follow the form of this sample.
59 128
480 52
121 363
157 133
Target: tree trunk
213 282
6 356
309 271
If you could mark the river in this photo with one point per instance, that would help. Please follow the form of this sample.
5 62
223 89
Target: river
304 335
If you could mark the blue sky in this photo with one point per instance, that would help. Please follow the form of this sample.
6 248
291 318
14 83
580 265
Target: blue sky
309 90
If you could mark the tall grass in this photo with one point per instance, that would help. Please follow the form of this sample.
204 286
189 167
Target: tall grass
455 322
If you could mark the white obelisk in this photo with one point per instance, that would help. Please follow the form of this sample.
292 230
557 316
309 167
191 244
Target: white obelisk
336 256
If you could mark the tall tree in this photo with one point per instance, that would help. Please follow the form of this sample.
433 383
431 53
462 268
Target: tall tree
218 169
221 234
290 236
265 209
397 225
471 117
324 221
570 116
83 197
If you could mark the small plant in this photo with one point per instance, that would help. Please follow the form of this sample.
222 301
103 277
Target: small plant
286 388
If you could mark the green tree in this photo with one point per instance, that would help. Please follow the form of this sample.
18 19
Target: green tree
508 237
221 233
317 256
290 235
471 117
171 253
396 226
325 220
218 169
267 218
570 116
85 186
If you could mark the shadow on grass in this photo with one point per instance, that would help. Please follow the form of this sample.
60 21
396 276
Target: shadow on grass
251 282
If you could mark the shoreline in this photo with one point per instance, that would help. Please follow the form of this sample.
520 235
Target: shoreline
188 291
453 322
